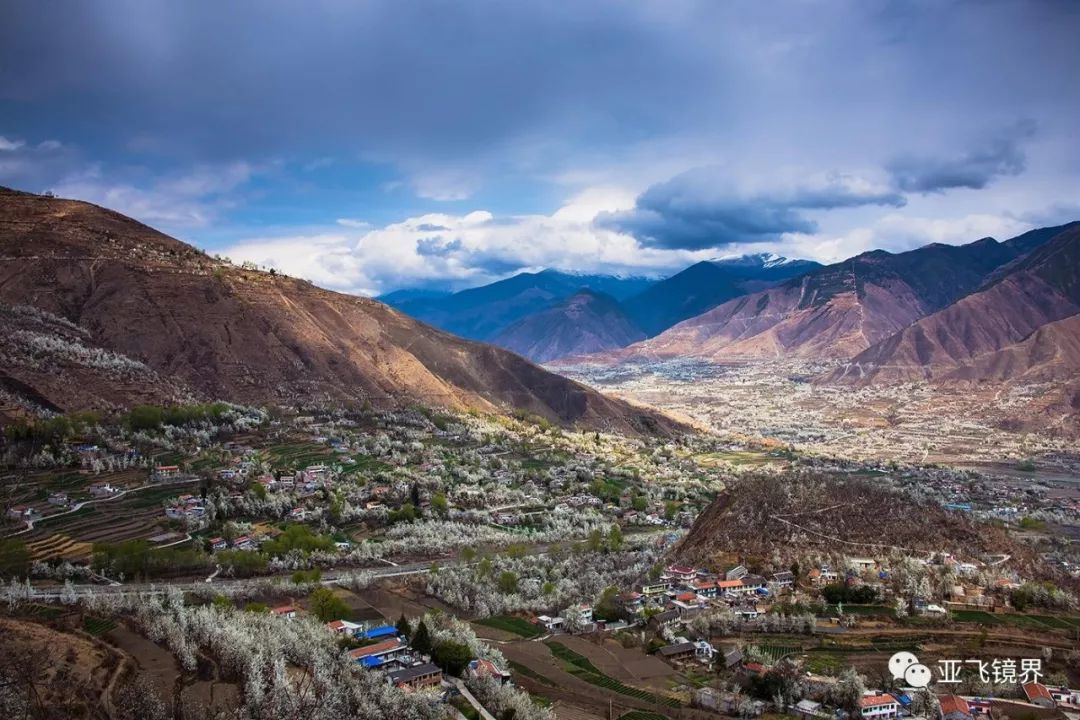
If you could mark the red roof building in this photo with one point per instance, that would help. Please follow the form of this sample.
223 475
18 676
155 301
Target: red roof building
1038 694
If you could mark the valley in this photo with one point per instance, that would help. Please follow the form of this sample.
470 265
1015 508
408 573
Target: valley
782 401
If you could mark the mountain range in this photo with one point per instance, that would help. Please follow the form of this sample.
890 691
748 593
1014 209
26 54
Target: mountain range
1023 323
705 285
585 322
840 310
100 311
528 313
481 313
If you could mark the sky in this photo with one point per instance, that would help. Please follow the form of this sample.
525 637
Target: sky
372 146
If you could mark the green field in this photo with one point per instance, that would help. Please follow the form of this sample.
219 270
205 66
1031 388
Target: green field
299 455
97 626
364 463
48 612
579 666
530 673
773 653
863 610
511 624
155 496
67 517
1028 621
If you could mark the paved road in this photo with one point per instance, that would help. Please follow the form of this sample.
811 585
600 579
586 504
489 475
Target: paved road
330 578
457 682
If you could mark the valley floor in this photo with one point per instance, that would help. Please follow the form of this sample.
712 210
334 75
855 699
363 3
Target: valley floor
918 422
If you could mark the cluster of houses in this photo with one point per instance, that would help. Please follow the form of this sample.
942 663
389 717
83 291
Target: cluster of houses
189 509
241 542
880 705
306 481
386 650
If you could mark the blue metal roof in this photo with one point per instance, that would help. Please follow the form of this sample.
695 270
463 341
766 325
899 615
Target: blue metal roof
371 661
381 631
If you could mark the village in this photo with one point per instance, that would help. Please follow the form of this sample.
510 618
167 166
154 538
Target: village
532 546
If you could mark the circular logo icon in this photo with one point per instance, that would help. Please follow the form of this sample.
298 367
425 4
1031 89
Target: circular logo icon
917 675
900 662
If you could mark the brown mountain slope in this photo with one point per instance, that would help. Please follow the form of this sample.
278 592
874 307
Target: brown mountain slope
229 333
1022 326
584 323
836 311
810 513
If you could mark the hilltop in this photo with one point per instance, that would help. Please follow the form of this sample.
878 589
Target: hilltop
217 331
808 512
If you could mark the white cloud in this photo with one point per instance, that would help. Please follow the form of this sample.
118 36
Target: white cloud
9 145
896 232
464 250
193 198
352 223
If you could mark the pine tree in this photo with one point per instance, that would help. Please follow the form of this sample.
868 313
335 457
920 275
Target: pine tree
403 626
421 641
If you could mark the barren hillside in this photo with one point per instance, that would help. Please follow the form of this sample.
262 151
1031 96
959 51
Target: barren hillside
224 332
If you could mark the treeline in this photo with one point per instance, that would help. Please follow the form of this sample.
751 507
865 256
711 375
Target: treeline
14 558
58 427
844 593
139 559
143 417
152 417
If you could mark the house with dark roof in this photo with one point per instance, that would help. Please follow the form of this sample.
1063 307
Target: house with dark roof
678 651
732 657
782 579
416 677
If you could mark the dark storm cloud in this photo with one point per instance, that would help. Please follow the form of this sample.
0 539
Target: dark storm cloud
438 246
1001 155
699 209
435 79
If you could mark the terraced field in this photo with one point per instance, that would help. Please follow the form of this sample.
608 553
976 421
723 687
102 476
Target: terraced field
71 536
59 547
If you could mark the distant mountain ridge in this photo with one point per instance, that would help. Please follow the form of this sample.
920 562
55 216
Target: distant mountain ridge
1023 323
838 310
705 285
483 312
586 322
519 313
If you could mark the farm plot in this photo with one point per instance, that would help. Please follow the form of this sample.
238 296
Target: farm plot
71 536
59 547
508 623
97 626
581 667
773 653
299 455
